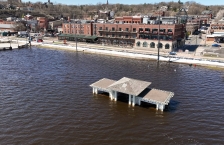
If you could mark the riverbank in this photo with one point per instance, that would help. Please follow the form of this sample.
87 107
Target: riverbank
132 53
139 54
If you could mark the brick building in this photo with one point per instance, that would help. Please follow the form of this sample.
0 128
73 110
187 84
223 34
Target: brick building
6 26
130 32
129 19
141 35
77 28
42 22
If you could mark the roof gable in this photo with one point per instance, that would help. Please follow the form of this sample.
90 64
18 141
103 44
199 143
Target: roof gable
129 86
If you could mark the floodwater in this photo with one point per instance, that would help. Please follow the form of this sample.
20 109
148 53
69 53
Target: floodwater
46 99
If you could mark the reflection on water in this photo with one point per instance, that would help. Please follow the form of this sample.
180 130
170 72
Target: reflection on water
46 99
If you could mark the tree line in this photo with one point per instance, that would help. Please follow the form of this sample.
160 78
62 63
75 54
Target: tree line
89 10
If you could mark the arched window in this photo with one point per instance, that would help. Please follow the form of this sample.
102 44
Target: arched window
152 45
167 46
145 44
160 45
138 44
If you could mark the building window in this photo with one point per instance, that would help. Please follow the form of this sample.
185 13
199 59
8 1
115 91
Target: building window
134 29
113 35
147 36
126 36
133 36
119 35
170 37
145 44
101 34
101 28
120 29
155 31
152 45
160 45
170 31
147 29
126 29
140 29
162 31
107 35
113 29
167 46
138 44
106 28
141 36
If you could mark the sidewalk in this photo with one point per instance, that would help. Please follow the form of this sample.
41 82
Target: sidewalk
194 55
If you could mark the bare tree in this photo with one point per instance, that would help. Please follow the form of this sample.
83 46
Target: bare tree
19 26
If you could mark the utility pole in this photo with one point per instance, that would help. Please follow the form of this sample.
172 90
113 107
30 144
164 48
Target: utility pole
196 39
10 47
158 37
26 32
76 37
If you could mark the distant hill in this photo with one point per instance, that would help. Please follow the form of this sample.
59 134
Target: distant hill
82 11
13 13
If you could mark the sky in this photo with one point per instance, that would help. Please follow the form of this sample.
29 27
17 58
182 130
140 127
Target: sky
83 2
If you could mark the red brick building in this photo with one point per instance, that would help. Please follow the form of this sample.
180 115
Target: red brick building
76 28
129 19
6 26
130 32
42 22
141 35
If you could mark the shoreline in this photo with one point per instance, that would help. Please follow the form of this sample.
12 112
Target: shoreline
133 53
138 55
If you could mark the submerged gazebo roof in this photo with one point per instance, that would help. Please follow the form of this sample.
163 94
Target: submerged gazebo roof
157 96
129 86
103 83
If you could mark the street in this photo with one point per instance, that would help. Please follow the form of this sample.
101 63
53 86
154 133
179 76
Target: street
194 41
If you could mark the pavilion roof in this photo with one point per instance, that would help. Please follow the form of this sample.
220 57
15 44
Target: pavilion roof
103 83
156 95
129 86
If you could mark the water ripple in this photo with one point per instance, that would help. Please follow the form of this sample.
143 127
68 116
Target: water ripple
46 99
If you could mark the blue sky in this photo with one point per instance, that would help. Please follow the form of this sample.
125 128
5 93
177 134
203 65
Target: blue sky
82 2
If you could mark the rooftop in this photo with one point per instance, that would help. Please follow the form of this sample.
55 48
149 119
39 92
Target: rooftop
103 83
129 86
155 95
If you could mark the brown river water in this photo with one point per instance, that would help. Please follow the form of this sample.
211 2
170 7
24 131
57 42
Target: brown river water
45 99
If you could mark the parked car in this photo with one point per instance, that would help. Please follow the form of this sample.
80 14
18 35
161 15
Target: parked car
216 45
172 53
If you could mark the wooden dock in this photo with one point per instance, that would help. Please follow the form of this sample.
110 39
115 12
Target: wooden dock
137 90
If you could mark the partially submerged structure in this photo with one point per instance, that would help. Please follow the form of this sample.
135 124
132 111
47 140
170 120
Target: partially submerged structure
137 90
